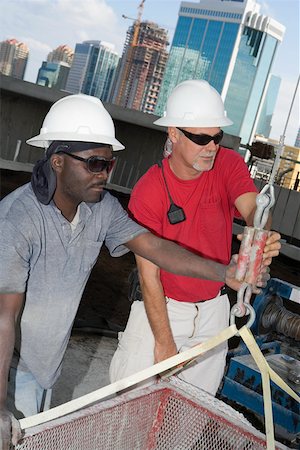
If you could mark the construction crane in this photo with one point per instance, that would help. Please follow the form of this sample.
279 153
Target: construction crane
137 23
130 53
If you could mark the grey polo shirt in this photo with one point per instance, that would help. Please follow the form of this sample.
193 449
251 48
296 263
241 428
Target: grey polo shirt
41 256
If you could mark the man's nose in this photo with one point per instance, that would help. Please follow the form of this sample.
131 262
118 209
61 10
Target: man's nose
211 146
103 175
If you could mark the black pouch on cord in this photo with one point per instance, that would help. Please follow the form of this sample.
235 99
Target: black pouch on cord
134 290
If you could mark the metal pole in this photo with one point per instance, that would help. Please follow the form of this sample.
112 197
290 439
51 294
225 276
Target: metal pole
282 138
291 107
17 150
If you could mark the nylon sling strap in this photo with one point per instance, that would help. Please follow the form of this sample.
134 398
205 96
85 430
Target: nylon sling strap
127 382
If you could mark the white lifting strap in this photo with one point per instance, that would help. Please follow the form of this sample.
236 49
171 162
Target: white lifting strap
266 374
127 382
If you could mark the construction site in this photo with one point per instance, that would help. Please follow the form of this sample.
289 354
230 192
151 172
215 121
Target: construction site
257 403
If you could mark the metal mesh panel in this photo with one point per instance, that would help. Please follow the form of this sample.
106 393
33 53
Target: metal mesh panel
161 417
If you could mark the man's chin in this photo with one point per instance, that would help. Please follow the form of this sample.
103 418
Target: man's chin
203 167
95 198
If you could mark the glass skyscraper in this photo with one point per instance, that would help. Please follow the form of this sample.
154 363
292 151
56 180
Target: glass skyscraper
229 44
93 69
265 117
53 74
248 83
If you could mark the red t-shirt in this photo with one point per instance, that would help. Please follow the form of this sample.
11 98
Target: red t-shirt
208 203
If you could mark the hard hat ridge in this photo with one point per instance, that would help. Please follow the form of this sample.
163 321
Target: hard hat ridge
77 117
194 103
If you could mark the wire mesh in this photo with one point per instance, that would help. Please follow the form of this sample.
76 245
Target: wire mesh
160 417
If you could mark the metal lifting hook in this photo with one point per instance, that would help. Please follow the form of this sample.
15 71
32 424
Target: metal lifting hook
251 250
242 306
251 320
264 202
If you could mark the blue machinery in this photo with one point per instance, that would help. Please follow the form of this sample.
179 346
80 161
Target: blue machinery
277 332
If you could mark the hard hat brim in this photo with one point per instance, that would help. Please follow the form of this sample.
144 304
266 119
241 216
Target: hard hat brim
193 123
44 140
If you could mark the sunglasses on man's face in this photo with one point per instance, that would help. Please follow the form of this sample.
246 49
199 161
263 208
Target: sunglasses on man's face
202 139
95 164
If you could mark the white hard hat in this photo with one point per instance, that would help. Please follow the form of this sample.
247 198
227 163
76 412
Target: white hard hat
77 117
194 103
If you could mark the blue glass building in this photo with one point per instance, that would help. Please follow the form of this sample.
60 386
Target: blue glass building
265 117
248 83
93 69
53 74
229 44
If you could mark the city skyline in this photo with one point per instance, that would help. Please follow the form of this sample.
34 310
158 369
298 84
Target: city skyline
45 24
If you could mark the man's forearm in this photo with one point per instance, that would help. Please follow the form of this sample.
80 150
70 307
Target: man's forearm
7 339
175 259
10 307
155 305
156 309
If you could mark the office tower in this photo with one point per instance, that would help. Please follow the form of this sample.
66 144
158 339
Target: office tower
53 75
268 105
93 69
13 58
54 72
248 83
141 67
297 141
232 46
63 53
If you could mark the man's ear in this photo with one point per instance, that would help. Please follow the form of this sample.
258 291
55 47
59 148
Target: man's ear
57 162
173 134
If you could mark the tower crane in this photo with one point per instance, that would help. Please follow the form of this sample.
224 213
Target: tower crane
137 23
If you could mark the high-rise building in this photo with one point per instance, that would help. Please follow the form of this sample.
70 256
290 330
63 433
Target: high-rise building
93 69
141 67
266 114
63 53
54 72
53 75
248 83
232 46
13 58
297 141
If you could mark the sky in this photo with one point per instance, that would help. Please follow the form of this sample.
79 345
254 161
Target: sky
45 24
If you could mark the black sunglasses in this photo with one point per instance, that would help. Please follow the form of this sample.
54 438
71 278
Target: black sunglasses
202 139
95 164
